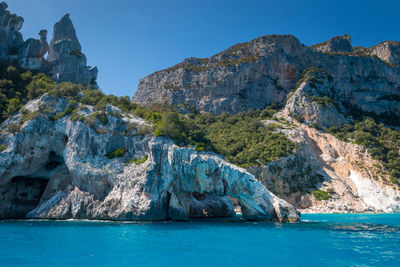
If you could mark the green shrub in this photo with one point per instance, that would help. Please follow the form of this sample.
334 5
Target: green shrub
321 195
71 108
14 105
101 116
3 147
14 128
324 101
118 153
137 161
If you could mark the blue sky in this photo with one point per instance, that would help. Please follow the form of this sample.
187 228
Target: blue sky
130 39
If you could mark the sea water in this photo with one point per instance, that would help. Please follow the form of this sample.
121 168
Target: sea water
318 240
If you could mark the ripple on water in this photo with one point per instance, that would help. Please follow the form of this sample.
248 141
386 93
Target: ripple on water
329 240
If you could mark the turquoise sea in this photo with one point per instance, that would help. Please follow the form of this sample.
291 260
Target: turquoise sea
318 240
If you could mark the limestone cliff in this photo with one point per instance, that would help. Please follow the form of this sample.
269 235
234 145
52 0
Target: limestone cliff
58 167
328 84
264 71
65 61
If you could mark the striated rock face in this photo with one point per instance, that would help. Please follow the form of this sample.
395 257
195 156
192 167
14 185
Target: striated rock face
388 51
57 169
335 44
65 61
33 50
68 62
254 74
64 40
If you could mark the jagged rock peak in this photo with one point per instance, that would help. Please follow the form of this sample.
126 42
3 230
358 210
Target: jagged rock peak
64 40
11 21
65 61
10 24
335 44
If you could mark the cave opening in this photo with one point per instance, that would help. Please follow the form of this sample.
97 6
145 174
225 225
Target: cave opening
26 192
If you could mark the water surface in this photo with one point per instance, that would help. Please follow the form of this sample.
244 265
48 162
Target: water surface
318 240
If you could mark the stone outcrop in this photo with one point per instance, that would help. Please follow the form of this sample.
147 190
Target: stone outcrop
58 169
265 70
65 61
65 55
10 37
33 51
335 44
313 101
388 51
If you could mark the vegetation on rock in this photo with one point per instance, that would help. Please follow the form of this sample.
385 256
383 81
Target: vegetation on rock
382 142
117 153
241 138
137 161
321 195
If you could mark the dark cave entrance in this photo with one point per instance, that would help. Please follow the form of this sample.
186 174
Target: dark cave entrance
25 192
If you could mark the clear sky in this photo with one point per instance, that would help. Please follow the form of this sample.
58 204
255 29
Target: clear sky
130 39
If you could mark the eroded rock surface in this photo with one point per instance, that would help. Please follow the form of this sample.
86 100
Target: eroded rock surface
335 44
65 61
264 71
74 179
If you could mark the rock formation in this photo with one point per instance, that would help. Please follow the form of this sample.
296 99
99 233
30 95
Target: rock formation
10 37
69 63
335 44
58 169
264 71
388 51
33 50
65 62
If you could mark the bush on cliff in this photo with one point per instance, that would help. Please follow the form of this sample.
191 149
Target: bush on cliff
241 138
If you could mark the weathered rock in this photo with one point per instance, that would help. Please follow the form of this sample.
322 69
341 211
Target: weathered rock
72 177
33 51
10 37
264 71
69 63
313 102
335 44
34 48
388 51
64 40
65 62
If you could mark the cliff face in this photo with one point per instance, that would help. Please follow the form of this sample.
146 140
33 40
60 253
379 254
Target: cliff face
321 86
58 168
353 180
254 74
65 61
